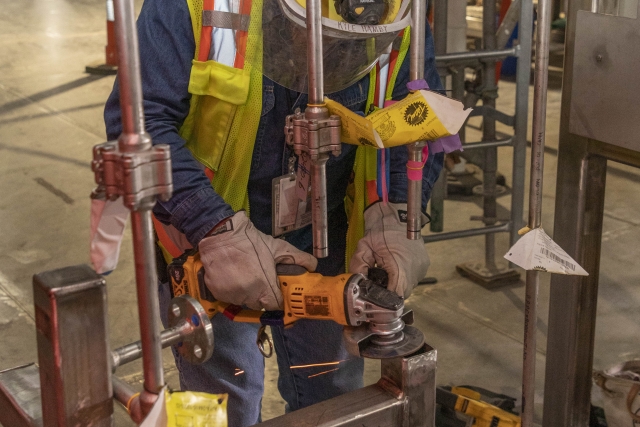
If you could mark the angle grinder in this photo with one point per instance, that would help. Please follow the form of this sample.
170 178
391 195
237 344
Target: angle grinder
377 324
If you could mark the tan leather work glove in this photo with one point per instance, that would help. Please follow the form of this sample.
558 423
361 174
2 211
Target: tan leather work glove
386 246
240 264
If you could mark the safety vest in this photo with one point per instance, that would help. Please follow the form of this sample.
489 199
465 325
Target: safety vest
226 104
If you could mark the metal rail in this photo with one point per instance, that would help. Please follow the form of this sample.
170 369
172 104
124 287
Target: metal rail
535 206
467 233
460 58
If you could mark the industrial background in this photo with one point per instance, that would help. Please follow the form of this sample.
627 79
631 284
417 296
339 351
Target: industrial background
51 117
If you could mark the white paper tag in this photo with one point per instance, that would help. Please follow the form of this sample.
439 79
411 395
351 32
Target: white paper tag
157 417
303 217
287 203
303 176
537 251
108 220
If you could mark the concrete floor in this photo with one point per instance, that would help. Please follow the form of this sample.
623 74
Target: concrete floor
51 116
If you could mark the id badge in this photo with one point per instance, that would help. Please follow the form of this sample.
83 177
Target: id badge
291 207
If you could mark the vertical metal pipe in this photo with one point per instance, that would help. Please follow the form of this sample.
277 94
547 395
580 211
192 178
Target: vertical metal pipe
317 110
147 292
535 204
523 76
319 208
314 52
594 7
489 129
129 78
134 138
416 72
439 190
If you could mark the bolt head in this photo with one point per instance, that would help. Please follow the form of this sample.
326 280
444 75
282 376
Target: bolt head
599 58
197 351
175 310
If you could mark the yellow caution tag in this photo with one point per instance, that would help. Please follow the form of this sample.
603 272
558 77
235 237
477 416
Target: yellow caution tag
194 409
423 115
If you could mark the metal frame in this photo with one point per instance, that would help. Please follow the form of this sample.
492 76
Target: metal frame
404 396
580 191
454 64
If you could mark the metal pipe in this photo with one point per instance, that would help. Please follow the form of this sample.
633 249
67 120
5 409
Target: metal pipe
129 79
439 190
594 7
489 95
414 195
130 352
459 57
488 144
129 398
466 233
416 72
147 292
135 139
122 391
523 75
535 204
314 52
319 208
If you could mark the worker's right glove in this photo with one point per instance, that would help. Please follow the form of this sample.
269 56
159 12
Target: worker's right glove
385 245
240 264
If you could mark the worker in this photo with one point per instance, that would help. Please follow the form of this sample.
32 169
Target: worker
223 114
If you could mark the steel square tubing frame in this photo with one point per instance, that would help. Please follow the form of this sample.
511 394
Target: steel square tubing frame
580 192
519 121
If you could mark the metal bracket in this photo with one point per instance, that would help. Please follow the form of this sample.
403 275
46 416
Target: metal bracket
135 176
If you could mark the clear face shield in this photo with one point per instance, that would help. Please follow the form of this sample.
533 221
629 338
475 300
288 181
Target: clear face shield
349 50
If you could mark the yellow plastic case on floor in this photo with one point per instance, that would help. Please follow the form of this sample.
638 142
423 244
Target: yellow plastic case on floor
194 409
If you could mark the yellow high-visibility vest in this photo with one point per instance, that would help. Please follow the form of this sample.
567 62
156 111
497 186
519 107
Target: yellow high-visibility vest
226 104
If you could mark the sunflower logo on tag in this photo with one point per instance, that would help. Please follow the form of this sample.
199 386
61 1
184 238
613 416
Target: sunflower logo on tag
416 113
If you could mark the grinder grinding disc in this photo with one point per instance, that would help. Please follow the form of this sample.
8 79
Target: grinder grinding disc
360 342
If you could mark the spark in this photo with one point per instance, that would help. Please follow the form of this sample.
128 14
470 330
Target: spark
313 365
323 372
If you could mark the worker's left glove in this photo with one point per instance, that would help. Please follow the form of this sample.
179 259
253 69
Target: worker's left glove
385 245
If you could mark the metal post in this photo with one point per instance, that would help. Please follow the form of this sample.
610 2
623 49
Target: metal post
523 75
489 95
416 72
73 347
438 193
535 206
135 139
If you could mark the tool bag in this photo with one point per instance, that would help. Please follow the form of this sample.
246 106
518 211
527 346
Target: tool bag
619 390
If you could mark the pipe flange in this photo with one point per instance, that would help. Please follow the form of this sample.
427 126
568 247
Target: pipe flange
186 313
